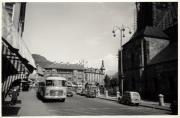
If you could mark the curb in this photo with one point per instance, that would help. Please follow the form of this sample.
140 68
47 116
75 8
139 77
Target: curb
106 99
143 105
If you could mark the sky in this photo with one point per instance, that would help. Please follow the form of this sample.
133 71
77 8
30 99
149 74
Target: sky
72 32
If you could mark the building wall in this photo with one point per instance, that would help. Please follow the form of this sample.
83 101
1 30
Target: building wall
16 11
136 56
165 14
69 74
160 77
155 46
94 75
133 63
15 67
132 54
157 14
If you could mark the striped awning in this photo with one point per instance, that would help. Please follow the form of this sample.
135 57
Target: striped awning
13 38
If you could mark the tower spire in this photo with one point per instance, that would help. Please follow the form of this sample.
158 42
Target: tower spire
102 66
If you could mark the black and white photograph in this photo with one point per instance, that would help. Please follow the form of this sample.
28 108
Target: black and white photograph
89 58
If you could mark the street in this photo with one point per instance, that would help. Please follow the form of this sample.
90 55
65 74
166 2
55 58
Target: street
79 105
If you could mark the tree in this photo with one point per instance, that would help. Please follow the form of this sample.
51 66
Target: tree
107 81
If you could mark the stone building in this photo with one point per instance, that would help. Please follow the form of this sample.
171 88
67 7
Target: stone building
150 57
94 75
72 72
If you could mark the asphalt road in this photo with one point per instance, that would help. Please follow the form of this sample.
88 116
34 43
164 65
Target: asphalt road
74 106
80 105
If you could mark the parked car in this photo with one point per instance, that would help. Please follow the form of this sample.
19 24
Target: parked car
78 90
83 92
69 91
69 94
130 98
91 91
90 94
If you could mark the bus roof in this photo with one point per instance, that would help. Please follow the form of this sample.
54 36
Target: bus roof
55 78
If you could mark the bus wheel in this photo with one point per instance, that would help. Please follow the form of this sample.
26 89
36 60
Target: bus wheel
62 100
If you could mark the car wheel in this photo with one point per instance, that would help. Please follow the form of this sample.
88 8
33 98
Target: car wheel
137 104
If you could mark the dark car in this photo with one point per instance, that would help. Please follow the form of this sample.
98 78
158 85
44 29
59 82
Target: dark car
91 94
69 94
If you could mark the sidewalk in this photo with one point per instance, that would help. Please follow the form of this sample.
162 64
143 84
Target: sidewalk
29 105
143 103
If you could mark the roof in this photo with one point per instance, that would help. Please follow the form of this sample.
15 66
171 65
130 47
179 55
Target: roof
55 78
65 66
168 54
148 31
155 32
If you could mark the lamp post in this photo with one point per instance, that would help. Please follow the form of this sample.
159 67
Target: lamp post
120 69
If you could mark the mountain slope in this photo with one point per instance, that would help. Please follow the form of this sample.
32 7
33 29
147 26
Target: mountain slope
41 61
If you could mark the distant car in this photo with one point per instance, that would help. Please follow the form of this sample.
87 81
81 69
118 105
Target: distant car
91 91
130 98
83 92
78 90
90 94
69 94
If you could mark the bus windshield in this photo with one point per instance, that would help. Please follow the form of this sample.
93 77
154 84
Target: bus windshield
61 83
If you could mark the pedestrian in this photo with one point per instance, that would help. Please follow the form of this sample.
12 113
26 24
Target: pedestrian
14 95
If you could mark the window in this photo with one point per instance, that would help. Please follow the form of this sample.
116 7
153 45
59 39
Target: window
55 83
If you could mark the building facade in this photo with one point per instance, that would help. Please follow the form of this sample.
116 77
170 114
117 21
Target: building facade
150 57
17 61
72 72
93 75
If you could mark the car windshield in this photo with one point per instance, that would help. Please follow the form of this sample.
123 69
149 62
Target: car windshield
55 83
135 94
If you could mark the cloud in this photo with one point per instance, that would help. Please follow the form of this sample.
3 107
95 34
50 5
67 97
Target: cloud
95 41
111 64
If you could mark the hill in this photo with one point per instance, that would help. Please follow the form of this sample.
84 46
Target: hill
41 61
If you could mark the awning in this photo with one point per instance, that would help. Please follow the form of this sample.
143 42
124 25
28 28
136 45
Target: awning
13 38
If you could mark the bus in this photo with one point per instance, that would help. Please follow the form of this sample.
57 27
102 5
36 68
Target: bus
52 88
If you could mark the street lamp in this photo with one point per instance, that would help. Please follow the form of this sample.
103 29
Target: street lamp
122 30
